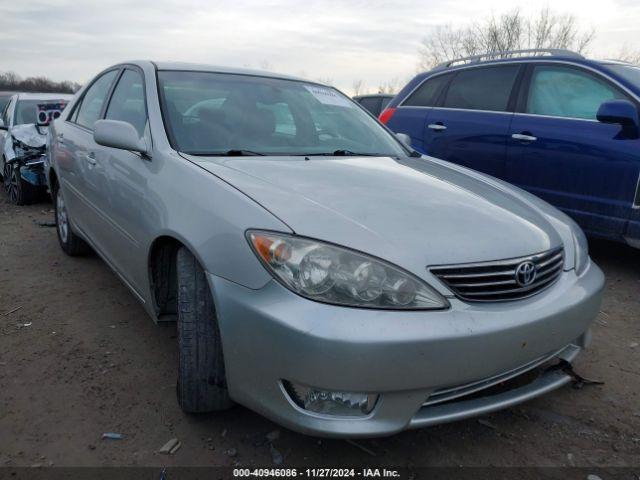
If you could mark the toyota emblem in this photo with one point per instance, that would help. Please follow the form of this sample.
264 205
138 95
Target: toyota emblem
525 274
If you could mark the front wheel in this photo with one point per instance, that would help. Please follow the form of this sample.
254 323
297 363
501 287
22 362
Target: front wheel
202 385
72 244
18 191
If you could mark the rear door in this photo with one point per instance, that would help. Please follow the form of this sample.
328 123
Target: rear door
470 125
76 158
412 114
561 153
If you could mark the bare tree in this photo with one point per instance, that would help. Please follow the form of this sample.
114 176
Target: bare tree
391 86
509 31
358 87
12 82
627 54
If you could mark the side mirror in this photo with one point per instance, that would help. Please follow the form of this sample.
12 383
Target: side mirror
117 134
405 139
621 112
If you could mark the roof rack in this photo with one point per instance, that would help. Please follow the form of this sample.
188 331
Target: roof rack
533 52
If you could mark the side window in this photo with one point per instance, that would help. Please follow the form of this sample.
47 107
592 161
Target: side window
568 92
127 102
482 88
427 94
93 100
74 115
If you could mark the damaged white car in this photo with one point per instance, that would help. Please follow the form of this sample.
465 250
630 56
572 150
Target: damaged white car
24 129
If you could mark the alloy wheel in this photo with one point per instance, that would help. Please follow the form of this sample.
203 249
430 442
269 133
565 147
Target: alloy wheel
11 182
62 220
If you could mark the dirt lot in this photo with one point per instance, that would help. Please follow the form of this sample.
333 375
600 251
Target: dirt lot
79 357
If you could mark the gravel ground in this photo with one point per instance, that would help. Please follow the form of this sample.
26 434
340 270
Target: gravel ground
79 357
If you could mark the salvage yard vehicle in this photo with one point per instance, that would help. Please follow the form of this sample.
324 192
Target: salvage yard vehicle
319 271
24 124
552 122
374 103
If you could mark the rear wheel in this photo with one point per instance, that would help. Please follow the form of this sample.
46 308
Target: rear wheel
72 244
202 385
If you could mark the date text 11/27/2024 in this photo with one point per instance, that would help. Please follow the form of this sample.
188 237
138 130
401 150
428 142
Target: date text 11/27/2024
316 472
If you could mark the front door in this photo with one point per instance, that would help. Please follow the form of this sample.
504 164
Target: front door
125 200
561 153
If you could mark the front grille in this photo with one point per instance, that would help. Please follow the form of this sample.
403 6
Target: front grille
498 281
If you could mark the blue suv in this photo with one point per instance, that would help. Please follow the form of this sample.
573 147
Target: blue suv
559 125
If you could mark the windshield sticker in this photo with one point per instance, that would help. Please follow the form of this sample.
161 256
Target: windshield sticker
328 96
48 112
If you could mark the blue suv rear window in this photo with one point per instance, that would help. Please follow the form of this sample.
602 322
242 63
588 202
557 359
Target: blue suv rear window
427 93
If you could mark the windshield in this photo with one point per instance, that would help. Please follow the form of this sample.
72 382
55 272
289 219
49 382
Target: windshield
631 73
27 110
223 114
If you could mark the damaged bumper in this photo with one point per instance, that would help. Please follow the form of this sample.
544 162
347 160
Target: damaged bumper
424 368
25 150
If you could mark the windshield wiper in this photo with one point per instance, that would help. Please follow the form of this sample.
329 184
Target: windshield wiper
229 153
345 153
243 153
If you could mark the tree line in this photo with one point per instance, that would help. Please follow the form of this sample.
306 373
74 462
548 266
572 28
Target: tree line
496 34
10 81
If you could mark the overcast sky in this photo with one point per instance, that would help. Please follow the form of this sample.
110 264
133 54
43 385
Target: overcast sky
341 41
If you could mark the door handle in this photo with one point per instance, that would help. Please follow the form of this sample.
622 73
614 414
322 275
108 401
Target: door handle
523 137
438 127
91 158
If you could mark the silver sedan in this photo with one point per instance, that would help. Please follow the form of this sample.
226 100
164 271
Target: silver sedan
319 271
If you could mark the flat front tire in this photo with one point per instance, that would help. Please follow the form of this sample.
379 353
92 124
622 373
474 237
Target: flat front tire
202 385
72 244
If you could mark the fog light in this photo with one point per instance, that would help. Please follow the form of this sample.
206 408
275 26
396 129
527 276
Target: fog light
330 402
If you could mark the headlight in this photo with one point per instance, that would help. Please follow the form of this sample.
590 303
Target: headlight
582 250
330 274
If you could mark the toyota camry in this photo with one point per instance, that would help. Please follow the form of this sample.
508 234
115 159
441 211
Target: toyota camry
318 270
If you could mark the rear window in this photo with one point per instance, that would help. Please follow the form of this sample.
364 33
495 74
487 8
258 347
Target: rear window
482 88
372 104
427 94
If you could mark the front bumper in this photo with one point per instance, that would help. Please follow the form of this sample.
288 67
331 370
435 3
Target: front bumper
271 334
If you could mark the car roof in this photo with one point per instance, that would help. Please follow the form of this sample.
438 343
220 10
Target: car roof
199 67
523 59
44 96
375 95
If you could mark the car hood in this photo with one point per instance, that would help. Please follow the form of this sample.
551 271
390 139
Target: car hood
413 212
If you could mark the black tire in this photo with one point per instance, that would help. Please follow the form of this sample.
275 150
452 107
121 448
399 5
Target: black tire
71 243
18 191
202 385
